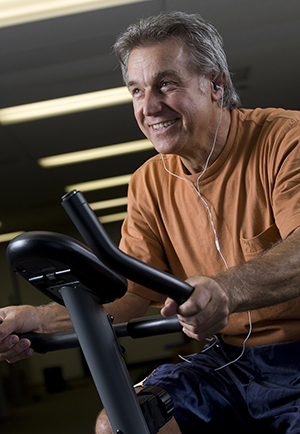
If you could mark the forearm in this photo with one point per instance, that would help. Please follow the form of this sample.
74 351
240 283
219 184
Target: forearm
269 279
49 319
53 318
128 307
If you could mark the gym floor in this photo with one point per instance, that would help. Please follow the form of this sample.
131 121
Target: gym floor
73 410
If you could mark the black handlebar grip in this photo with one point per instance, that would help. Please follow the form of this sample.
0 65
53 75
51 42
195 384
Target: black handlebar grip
136 328
43 342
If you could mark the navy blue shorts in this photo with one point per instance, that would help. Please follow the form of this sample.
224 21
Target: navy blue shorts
259 391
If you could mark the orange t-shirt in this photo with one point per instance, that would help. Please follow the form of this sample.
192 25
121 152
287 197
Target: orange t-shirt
253 192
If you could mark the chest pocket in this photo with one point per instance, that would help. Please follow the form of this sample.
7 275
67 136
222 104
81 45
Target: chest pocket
253 247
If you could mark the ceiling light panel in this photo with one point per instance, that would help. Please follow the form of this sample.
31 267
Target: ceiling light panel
9 236
111 203
99 184
113 217
65 105
95 153
23 11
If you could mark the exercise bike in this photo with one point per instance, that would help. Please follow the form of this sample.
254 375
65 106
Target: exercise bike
83 279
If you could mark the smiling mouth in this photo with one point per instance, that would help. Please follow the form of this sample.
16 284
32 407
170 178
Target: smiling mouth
163 125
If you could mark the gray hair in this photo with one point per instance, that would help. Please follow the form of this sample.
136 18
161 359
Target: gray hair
202 39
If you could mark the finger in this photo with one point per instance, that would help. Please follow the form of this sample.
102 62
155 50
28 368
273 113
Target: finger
203 332
198 302
9 342
205 325
170 308
7 327
21 356
213 316
201 296
14 349
207 312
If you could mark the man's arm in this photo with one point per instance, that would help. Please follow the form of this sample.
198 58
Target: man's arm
21 319
128 307
269 279
53 318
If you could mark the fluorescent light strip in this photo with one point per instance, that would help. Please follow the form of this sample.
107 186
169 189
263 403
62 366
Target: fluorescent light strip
19 11
113 217
99 184
9 236
95 154
111 203
65 105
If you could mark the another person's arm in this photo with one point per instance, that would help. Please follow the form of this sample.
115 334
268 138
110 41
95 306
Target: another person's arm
53 318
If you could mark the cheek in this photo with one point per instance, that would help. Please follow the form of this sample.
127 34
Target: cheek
193 112
139 117
138 113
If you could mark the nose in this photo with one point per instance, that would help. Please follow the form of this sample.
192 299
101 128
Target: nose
152 103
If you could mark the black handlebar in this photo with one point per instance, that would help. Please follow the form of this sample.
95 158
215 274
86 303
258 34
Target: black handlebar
136 328
97 239
51 261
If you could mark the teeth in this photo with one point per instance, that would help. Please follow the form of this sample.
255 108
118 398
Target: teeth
163 125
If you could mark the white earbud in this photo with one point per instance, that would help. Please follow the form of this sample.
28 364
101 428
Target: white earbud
216 86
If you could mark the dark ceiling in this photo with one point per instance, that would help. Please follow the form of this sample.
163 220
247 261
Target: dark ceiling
72 55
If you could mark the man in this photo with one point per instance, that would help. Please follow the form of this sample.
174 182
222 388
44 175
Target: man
221 204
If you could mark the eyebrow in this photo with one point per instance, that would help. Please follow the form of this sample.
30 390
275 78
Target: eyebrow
159 76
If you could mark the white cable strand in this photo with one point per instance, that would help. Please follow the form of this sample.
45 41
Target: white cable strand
244 345
197 189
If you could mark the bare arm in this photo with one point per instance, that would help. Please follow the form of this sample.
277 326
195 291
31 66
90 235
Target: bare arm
52 318
21 319
128 307
269 279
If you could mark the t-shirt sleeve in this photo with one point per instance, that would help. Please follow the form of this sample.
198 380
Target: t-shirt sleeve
140 237
286 189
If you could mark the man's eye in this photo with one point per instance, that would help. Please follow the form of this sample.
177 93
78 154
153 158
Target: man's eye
135 91
167 85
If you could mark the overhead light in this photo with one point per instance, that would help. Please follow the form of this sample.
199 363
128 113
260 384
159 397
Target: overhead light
111 203
9 236
99 184
113 217
19 11
65 105
95 154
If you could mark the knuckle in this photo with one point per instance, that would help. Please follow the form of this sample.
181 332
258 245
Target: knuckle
225 300
198 321
224 322
5 346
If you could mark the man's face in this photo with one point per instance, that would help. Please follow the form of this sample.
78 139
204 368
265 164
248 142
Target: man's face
172 103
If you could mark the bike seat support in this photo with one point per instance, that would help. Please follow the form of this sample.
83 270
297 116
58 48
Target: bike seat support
107 366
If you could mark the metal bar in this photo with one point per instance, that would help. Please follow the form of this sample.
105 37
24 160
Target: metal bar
102 352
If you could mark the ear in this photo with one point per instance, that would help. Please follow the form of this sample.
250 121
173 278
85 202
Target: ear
217 89
217 92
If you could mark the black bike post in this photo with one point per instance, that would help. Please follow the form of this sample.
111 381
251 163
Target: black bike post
102 352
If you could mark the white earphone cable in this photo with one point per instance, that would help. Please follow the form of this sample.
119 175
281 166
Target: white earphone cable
197 189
